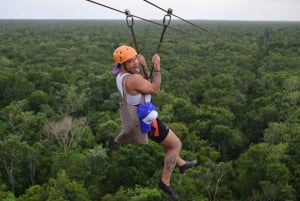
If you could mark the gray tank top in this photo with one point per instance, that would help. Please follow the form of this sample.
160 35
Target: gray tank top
132 99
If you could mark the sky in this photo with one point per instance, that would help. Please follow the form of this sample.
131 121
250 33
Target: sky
250 10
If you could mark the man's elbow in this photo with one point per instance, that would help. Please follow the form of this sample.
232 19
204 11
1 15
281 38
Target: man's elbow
155 91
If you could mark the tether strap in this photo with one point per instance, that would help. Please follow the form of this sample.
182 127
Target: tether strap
166 23
130 23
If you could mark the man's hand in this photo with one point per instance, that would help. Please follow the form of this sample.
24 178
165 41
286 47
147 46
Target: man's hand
143 63
142 60
156 62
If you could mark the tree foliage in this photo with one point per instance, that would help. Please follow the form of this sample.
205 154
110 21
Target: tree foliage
233 100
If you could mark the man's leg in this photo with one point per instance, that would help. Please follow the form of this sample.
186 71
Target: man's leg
172 147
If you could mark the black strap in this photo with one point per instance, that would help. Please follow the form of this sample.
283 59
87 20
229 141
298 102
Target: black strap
166 23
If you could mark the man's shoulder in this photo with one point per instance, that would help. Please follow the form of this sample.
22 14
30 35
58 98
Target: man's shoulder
135 76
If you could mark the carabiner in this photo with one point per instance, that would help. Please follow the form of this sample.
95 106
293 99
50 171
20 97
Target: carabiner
167 17
129 16
167 20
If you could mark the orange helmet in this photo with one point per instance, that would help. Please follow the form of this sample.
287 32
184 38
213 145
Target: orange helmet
123 54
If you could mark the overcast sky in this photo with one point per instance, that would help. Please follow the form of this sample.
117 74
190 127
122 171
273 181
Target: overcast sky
266 10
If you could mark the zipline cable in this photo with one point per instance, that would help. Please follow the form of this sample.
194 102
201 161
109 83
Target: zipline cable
216 36
226 40
186 21
100 4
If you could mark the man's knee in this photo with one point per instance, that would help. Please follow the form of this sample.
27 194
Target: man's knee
172 142
177 143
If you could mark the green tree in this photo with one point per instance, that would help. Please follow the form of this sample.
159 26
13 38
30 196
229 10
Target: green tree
61 188
72 101
18 121
293 150
262 173
74 163
135 194
13 87
211 177
133 165
98 159
6 195
215 124
277 133
13 157
36 100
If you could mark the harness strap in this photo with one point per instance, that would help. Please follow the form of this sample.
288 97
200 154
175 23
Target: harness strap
155 130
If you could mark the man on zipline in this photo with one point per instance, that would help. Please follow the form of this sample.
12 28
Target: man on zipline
128 64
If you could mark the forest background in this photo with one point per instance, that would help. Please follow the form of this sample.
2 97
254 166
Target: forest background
233 99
